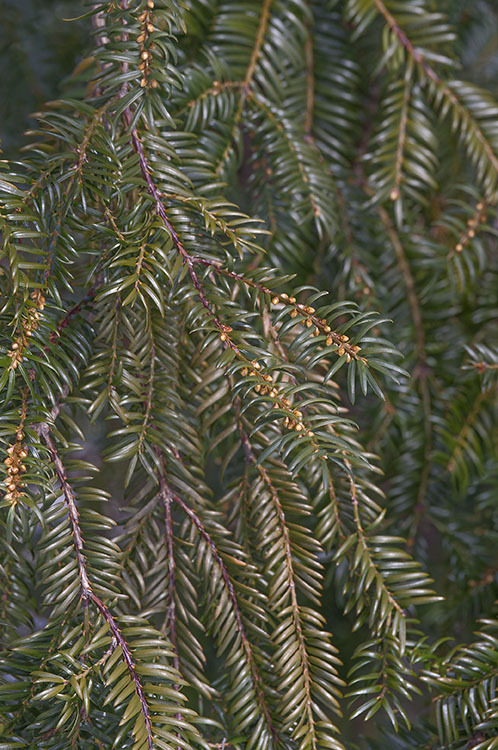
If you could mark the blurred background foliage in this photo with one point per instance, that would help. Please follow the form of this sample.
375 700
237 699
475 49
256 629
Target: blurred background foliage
38 50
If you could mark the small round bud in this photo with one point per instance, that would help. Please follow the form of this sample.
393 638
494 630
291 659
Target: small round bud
308 323
394 194
327 329
154 84
459 247
150 28
293 314
143 82
292 300
275 301
340 351
150 4
329 341
15 345
144 55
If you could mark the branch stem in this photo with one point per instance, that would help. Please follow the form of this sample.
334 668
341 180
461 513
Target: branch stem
87 593
168 496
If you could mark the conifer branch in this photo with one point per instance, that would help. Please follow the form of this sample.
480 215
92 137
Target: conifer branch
87 593
445 89
461 438
310 85
402 134
250 458
187 257
258 44
232 596
421 370
246 84
43 431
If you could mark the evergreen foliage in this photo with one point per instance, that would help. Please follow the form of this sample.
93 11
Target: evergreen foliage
249 369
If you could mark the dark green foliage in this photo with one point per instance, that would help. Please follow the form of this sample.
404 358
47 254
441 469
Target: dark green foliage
249 375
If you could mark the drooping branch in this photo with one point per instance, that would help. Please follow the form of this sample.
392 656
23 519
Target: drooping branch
260 37
43 431
127 658
168 496
363 541
291 577
310 84
87 593
461 438
431 74
320 325
187 257
190 260
402 134
246 84
421 370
